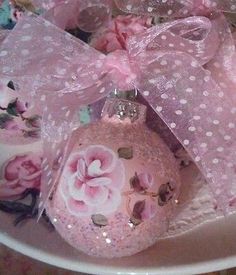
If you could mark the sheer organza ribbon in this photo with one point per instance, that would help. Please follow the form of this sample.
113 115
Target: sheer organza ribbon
176 8
184 70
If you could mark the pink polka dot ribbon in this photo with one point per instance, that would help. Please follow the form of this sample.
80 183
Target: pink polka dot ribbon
176 8
183 68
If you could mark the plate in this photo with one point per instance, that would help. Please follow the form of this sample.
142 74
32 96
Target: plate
208 247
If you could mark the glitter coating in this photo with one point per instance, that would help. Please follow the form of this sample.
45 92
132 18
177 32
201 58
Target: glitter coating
151 162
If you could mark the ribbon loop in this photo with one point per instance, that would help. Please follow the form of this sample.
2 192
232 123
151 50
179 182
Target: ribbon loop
176 8
193 35
76 13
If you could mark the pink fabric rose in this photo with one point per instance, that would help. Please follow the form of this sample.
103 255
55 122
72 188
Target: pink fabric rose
20 173
117 63
114 36
92 181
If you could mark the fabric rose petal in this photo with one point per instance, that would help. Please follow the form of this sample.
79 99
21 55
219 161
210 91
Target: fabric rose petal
96 177
114 35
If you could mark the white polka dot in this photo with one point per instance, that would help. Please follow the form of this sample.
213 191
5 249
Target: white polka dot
209 175
98 64
186 142
102 90
233 7
202 106
192 129
197 158
26 26
209 134
220 94
169 12
189 90
194 64
164 96
231 125
47 38
192 78
205 93
163 62
216 122
172 125
227 137
26 38
206 78
203 145
152 81
169 86
159 108
49 181
215 161
129 7
178 112
171 45
146 93
67 113
220 149
150 9
163 37
219 109
196 117
43 97
183 101
3 53
61 71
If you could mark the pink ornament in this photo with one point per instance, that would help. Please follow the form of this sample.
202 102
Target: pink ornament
118 187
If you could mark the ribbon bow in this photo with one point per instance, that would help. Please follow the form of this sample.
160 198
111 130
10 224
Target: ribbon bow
184 70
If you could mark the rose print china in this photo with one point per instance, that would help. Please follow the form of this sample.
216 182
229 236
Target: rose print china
119 186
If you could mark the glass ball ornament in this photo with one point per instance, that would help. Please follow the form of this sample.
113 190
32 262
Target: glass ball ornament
118 188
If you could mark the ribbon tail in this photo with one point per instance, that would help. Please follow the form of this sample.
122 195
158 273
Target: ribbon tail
198 117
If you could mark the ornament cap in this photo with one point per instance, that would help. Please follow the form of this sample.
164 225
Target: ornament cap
124 110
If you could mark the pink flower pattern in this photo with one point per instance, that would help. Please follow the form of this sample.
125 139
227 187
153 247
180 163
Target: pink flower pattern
92 181
19 173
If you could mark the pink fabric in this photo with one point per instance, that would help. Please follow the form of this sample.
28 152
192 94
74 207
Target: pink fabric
176 8
114 36
167 59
